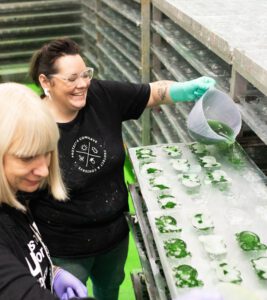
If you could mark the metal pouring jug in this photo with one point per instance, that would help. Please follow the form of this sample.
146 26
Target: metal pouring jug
214 119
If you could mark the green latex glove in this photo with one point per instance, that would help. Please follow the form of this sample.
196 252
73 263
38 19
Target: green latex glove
190 90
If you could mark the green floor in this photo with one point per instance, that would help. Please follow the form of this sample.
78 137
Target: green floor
132 263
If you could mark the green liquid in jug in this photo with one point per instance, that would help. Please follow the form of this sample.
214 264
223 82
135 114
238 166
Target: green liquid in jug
223 130
220 129
229 146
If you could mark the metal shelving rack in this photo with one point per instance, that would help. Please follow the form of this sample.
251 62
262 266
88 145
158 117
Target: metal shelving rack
177 52
154 278
89 32
26 25
153 39
148 40
118 35
189 39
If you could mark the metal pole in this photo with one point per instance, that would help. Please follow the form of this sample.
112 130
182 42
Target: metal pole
145 65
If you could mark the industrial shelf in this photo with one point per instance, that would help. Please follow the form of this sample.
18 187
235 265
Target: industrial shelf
162 126
124 9
117 61
177 74
136 140
186 42
184 45
119 26
152 263
201 59
124 47
140 289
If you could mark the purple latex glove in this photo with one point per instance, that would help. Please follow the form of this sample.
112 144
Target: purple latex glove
201 295
67 286
69 294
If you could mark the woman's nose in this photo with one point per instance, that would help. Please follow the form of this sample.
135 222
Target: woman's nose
82 82
41 168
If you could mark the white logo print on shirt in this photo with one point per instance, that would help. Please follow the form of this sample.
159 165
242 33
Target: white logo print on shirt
88 154
37 254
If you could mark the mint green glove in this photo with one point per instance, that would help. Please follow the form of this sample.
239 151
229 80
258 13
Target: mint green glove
190 90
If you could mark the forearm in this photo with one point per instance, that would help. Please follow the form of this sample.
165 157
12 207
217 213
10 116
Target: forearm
160 93
167 92
16 282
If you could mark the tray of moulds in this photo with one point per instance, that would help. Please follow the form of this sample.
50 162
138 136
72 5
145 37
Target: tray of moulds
208 252
246 260
239 258
209 220
156 176
177 251
199 173
234 160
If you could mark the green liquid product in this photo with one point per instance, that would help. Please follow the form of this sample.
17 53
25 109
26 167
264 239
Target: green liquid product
167 224
166 201
230 146
199 149
223 130
220 129
249 241
187 277
235 156
176 248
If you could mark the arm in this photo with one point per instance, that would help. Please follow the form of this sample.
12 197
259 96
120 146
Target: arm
169 92
16 281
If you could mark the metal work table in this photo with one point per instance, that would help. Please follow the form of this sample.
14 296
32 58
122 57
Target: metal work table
220 25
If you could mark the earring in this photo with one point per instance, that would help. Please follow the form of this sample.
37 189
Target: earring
46 92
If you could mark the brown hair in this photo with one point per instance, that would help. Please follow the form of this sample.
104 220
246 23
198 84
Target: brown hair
43 60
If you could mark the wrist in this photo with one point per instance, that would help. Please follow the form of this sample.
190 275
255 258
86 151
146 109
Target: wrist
176 92
55 270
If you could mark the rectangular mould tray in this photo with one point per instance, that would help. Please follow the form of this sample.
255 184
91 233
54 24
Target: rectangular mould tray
243 207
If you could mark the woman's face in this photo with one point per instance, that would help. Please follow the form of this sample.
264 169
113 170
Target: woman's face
26 173
68 88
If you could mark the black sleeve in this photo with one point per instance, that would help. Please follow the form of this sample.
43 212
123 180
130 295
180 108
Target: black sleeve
130 99
16 281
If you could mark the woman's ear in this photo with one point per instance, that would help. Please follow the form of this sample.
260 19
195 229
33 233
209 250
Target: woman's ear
45 84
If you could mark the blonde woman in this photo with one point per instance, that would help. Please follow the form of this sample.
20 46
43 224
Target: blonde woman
28 161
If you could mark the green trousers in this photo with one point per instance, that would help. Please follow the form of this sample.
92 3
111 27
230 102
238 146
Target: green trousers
106 271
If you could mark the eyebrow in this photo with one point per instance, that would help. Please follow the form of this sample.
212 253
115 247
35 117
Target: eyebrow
77 73
70 74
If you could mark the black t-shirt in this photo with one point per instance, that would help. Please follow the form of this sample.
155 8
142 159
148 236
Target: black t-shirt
25 270
92 155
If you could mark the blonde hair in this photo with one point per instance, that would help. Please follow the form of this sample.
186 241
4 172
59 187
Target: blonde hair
27 129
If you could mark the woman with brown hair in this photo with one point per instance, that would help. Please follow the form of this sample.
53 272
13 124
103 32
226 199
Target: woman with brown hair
88 235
